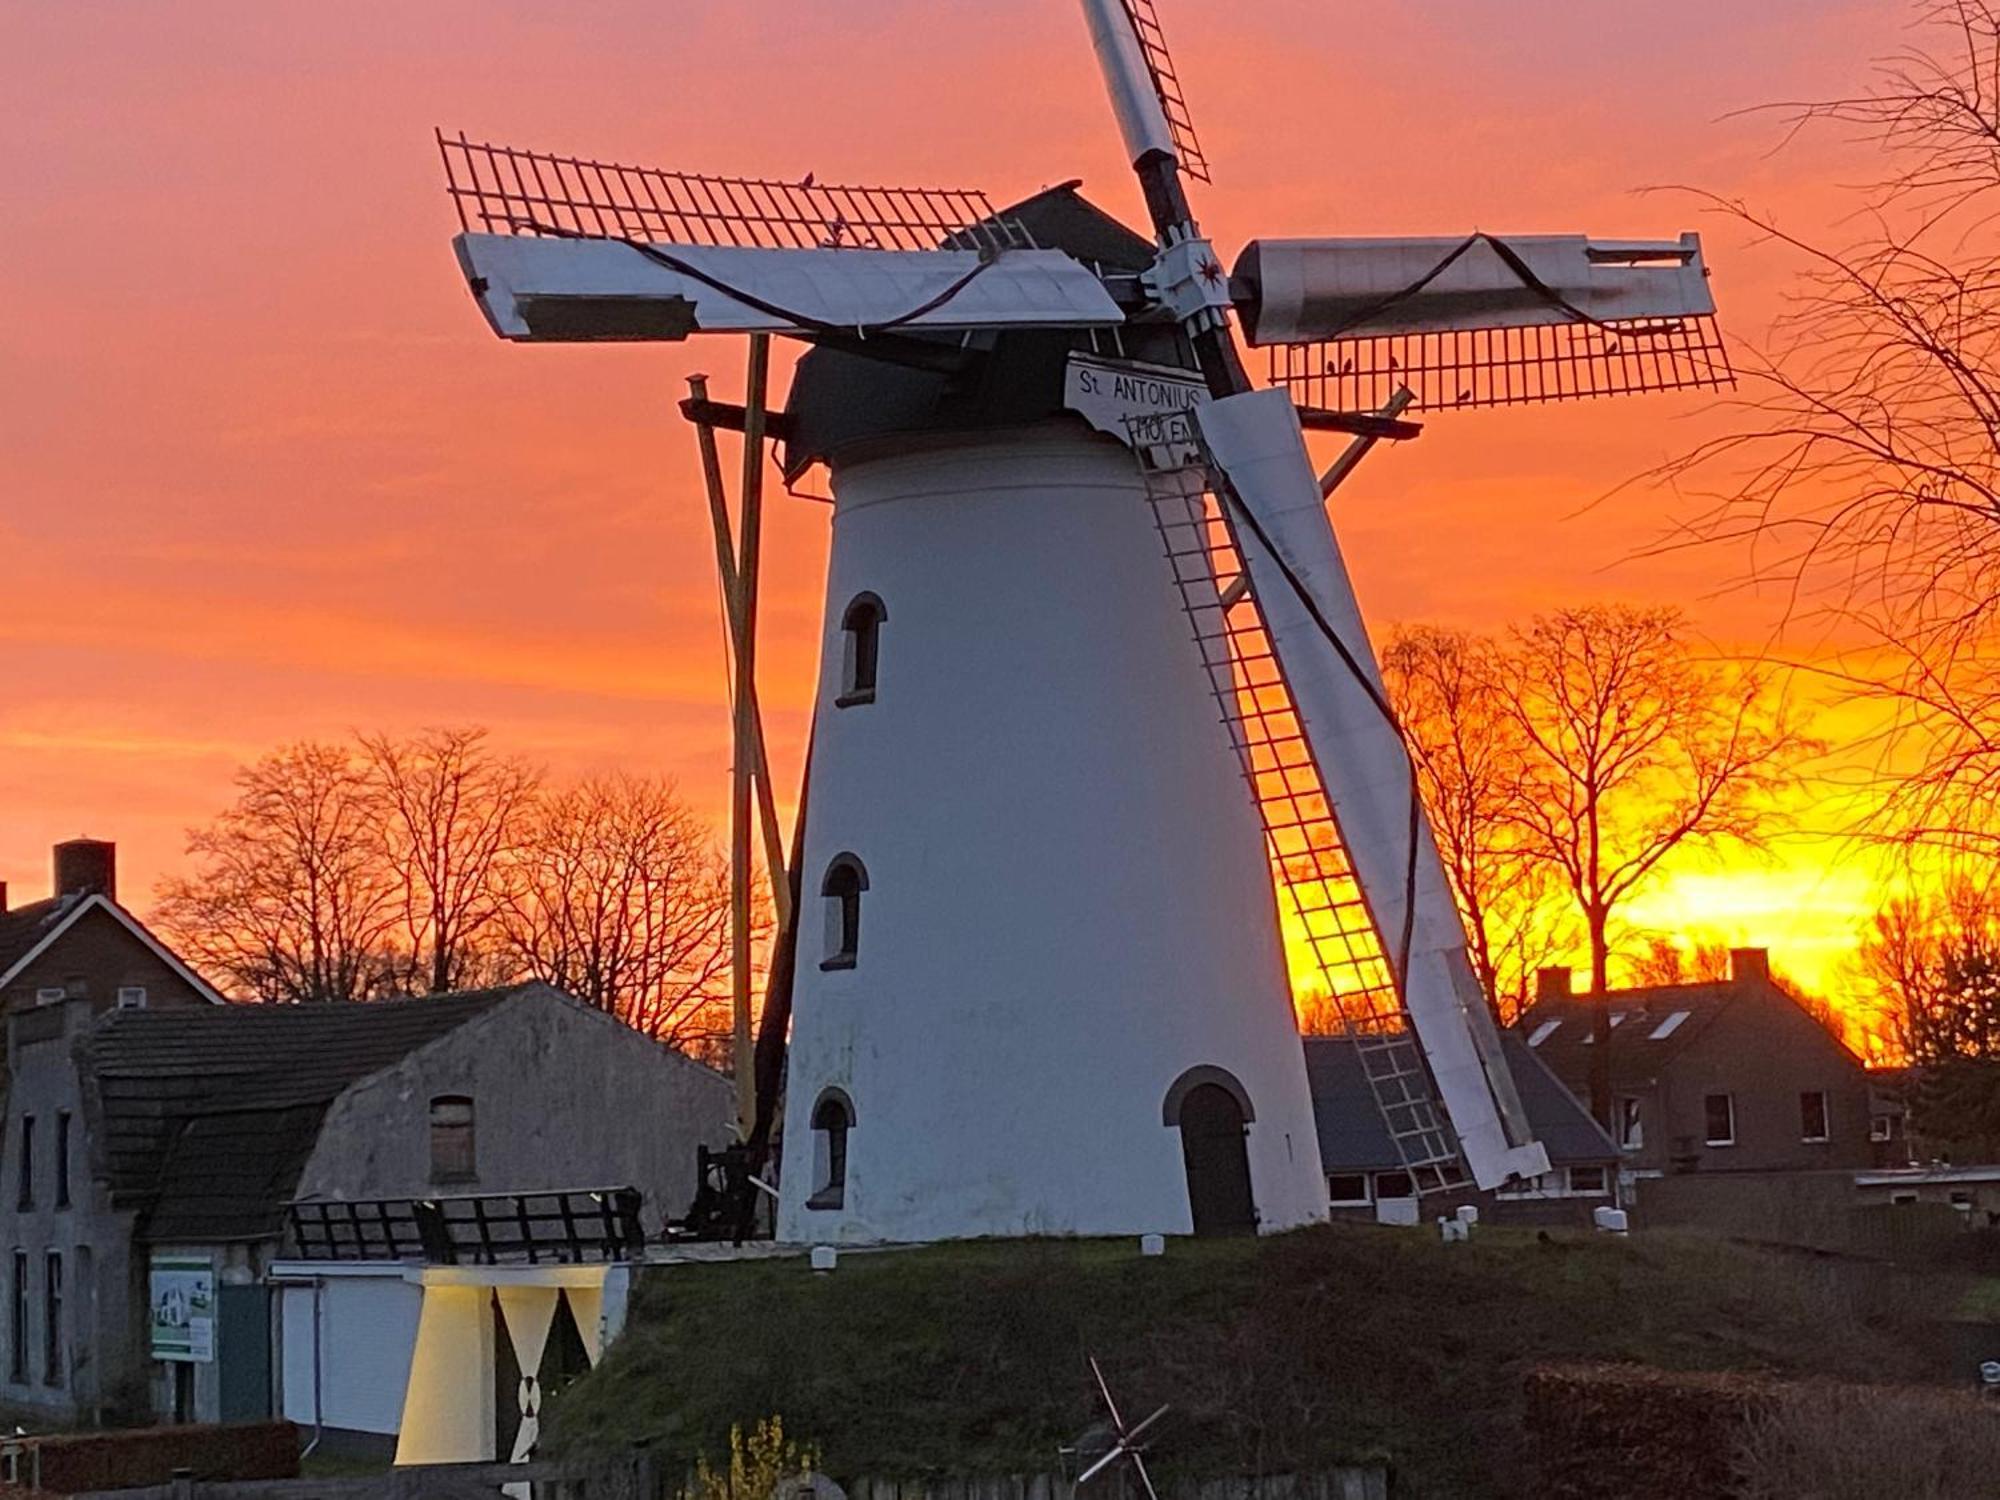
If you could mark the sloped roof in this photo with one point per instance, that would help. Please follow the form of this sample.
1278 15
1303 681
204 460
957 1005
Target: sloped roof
1644 1033
205 1117
28 930
23 928
1354 1138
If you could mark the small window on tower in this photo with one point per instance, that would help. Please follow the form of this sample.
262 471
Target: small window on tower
861 650
832 1118
452 1155
842 888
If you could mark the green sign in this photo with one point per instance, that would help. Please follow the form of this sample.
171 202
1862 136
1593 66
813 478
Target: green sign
180 1291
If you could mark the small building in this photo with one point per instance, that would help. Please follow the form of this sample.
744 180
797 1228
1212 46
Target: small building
191 1129
1972 1190
64 962
1732 1075
1365 1180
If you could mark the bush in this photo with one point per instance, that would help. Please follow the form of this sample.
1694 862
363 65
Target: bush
1834 1442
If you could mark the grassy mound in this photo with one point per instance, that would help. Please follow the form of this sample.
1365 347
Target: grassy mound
1286 1354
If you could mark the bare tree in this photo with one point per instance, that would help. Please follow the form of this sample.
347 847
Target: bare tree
1634 749
618 895
455 814
1863 473
1932 962
291 898
1663 961
1449 691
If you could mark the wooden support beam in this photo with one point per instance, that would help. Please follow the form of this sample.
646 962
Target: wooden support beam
750 528
1366 424
1363 443
730 417
725 567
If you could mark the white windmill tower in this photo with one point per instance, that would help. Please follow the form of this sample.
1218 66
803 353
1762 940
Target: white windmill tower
1032 966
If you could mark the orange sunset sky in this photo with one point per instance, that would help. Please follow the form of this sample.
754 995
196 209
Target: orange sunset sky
264 474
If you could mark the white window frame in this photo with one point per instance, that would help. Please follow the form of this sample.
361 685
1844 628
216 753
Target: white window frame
1602 1190
51 994
1367 1191
1631 1123
131 997
1375 1186
1709 1138
1825 1116
1881 1128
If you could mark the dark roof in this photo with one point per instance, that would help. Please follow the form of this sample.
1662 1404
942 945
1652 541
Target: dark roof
25 926
1644 1034
206 1117
1011 378
1354 1138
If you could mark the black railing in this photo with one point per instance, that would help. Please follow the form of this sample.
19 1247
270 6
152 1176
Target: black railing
566 1226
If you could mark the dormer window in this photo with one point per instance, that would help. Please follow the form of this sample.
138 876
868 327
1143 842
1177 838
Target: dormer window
841 891
861 649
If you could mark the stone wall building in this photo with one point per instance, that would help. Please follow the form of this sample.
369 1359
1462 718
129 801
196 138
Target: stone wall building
187 1131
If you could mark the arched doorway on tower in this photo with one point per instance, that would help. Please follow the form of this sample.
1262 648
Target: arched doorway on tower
1213 1114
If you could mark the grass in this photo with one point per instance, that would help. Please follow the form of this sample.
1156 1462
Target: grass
1286 1354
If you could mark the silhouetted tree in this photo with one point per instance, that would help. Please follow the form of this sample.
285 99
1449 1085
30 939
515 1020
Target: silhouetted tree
1933 961
1635 748
618 895
1449 688
1864 472
292 897
453 815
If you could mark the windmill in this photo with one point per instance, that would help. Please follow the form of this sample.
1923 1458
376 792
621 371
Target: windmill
1063 800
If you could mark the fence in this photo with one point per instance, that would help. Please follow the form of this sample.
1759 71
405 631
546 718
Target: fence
636 1476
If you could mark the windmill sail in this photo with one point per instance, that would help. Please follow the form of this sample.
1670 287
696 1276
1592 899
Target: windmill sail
585 290
1480 321
1334 781
568 249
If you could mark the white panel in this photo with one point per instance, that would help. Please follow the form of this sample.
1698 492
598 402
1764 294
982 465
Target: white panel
370 1327
1068 902
1319 289
1128 80
1255 439
849 288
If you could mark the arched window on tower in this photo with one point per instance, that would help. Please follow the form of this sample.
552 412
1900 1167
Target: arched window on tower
861 649
832 1118
453 1158
842 888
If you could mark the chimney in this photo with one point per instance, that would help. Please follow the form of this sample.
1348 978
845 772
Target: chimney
84 866
3 898
1746 964
1554 983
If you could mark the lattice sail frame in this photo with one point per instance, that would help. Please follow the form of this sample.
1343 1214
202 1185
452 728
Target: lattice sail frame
1315 882
1507 366
502 190
1167 84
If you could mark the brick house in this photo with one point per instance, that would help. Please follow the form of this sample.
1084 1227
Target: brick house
80 944
1366 1181
1731 1075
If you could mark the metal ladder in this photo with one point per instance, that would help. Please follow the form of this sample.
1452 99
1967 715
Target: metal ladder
1322 908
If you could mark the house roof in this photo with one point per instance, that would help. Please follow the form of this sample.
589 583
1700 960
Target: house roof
1649 1026
206 1117
1354 1138
27 932
24 929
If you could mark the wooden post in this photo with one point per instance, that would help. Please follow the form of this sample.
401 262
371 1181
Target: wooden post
725 567
750 523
